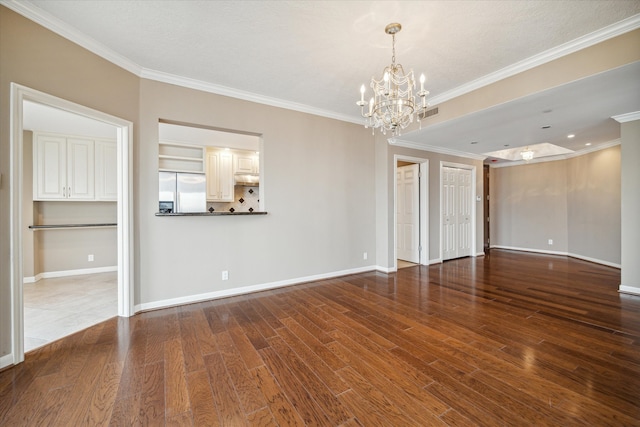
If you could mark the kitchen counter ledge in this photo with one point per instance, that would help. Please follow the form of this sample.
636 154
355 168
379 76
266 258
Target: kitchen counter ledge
225 213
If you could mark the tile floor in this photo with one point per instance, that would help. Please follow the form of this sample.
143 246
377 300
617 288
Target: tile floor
405 264
54 308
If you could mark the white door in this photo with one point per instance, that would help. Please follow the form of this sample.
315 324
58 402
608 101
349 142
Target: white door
449 229
456 212
408 213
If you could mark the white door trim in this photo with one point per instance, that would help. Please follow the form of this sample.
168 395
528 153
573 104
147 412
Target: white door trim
424 207
19 94
472 168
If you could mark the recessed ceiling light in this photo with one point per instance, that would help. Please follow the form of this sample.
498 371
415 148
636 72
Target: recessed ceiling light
506 145
587 144
474 142
547 111
546 126
570 135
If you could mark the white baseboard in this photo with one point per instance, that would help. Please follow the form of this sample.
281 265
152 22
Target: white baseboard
572 255
435 261
190 299
65 273
386 270
629 290
6 360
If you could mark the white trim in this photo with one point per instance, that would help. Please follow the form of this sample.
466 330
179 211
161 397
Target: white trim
386 270
65 30
248 289
6 360
435 261
434 149
569 254
591 39
124 208
600 147
629 290
68 273
628 117
244 95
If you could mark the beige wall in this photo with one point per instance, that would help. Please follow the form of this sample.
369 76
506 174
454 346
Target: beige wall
574 202
630 274
593 202
385 194
34 57
317 189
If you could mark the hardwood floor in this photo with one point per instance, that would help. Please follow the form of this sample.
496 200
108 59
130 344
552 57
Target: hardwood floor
507 339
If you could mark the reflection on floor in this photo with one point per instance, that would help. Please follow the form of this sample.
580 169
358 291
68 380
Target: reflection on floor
404 264
54 308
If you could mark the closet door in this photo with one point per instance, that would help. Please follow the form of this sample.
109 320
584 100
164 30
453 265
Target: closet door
456 212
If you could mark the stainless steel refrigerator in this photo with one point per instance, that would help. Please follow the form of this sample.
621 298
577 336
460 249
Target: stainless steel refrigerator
182 192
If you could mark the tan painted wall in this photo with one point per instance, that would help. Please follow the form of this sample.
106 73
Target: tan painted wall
593 202
630 137
576 202
528 206
386 210
35 57
318 190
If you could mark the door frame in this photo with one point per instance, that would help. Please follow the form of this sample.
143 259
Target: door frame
423 204
124 138
471 168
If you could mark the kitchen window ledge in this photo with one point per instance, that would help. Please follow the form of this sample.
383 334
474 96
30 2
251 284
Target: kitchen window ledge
225 213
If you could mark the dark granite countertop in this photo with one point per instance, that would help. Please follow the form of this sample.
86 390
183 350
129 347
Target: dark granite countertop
221 213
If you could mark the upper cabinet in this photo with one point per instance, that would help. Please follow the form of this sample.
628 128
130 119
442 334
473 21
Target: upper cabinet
106 170
246 162
68 168
219 175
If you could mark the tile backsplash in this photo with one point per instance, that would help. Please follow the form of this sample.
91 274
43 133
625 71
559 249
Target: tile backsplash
246 199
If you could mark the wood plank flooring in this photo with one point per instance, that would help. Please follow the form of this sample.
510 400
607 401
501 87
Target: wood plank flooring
508 339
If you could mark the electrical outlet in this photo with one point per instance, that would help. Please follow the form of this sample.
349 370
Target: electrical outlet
364 256
225 275
550 241
90 258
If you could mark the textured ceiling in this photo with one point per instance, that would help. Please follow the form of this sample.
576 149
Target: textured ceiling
318 53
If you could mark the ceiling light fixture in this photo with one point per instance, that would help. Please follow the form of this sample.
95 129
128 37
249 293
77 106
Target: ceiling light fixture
527 154
571 136
393 105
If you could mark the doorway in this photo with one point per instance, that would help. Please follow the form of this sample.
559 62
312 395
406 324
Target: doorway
411 243
124 137
457 210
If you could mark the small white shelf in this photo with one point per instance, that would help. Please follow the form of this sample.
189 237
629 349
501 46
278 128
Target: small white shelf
177 157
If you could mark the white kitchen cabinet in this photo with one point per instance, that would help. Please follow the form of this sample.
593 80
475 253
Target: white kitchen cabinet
219 171
246 162
106 178
63 168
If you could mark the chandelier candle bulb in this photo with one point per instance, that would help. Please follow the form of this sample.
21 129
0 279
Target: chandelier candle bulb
393 105
362 89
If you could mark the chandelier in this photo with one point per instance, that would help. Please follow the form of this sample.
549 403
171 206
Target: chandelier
527 154
392 106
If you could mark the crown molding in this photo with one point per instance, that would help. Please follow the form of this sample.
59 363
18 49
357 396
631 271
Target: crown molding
240 94
628 117
560 156
611 31
435 149
63 29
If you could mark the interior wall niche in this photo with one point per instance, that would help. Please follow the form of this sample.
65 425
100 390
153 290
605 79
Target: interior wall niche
205 169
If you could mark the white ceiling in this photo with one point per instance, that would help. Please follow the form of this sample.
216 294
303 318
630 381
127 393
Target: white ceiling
314 55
